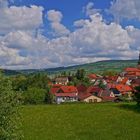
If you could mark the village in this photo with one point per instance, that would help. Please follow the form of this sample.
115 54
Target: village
102 88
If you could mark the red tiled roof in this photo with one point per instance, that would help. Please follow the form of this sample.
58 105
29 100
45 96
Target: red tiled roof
124 80
65 94
104 93
55 88
82 96
123 88
93 89
81 88
132 70
68 89
92 76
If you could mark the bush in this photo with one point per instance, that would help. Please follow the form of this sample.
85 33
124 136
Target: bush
34 96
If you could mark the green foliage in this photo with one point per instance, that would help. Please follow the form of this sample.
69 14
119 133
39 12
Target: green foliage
101 84
19 83
34 88
109 73
34 96
48 97
9 116
137 95
80 74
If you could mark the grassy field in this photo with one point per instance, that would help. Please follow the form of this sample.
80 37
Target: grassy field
82 122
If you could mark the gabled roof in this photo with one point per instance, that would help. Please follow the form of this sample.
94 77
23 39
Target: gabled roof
55 88
81 88
124 80
82 96
92 76
136 81
93 89
67 89
104 93
123 88
111 78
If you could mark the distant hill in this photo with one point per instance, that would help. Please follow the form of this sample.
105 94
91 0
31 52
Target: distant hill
97 67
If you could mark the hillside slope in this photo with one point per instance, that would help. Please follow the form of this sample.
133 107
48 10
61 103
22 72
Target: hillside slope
97 67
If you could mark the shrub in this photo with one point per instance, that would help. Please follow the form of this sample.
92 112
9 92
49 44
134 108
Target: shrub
34 96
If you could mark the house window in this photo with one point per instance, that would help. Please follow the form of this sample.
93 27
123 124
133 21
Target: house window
90 100
95 100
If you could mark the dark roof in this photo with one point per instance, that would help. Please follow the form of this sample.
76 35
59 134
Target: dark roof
115 91
136 81
93 89
104 93
81 88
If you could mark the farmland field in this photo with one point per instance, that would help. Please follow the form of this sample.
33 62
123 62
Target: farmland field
106 121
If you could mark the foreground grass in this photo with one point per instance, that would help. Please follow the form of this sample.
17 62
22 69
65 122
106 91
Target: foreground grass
82 122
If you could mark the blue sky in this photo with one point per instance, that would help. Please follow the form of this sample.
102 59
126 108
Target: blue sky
53 33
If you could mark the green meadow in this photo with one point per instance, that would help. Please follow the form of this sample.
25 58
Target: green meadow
105 121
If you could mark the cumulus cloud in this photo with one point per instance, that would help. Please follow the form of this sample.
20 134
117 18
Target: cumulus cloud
20 18
55 17
90 10
129 9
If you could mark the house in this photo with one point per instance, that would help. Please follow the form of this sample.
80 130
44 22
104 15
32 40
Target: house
88 94
92 77
106 93
132 73
94 90
135 83
66 94
90 98
55 88
62 80
115 92
124 89
81 89
111 79
125 81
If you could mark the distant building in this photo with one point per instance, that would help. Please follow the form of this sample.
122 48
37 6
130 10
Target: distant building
66 94
62 80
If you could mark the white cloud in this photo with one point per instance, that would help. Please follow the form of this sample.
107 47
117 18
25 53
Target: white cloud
134 33
90 10
20 18
129 9
55 17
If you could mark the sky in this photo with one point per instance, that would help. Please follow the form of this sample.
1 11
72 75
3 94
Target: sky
37 34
